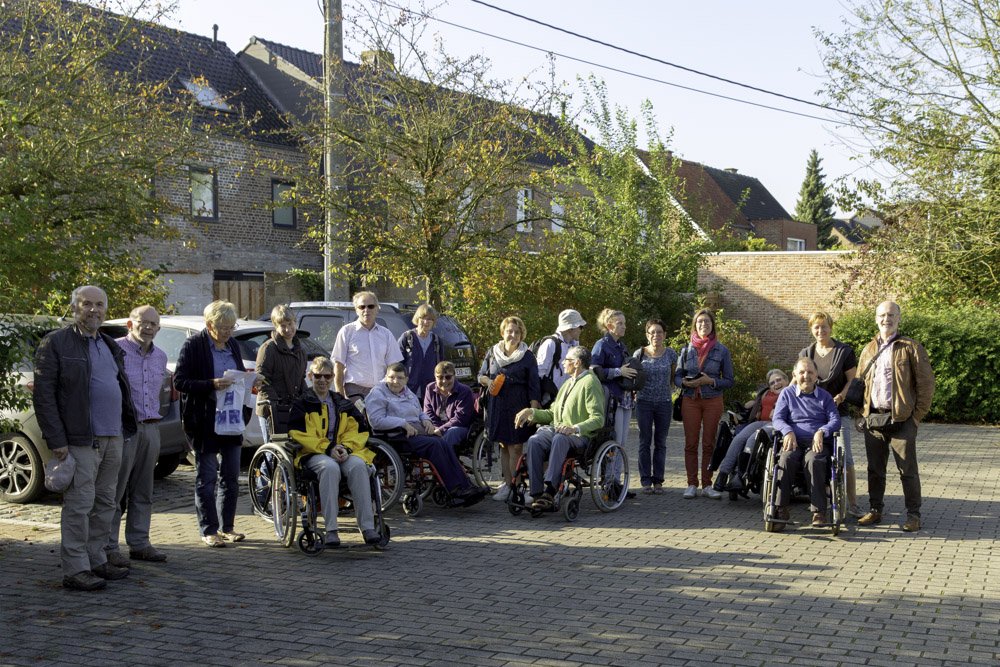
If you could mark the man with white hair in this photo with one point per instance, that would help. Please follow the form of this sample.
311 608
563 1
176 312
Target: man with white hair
83 405
364 349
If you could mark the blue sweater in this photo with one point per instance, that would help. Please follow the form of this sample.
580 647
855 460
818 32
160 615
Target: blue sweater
804 414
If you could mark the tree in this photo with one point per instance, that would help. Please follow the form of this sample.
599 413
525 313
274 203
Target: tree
619 238
921 78
815 205
82 140
435 153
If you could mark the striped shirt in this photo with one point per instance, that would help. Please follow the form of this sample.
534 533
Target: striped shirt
145 374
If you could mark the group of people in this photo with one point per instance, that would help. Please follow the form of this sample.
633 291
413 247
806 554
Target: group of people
98 399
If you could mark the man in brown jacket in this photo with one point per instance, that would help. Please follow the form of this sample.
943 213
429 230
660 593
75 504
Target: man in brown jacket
899 386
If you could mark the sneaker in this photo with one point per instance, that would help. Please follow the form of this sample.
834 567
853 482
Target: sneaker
528 499
691 492
873 517
855 512
84 580
543 502
502 493
214 541
648 490
819 519
110 572
148 553
332 539
232 537
657 489
710 492
117 559
371 536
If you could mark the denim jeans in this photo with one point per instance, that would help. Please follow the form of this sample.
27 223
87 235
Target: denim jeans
209 476
654 425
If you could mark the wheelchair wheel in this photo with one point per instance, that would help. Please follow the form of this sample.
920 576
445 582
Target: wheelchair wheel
284 502
486 462
769 489
440 496
609 477
311 543
390 471
259 476
412 504
383 529
571 510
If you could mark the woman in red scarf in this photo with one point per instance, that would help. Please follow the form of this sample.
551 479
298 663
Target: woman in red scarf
705 369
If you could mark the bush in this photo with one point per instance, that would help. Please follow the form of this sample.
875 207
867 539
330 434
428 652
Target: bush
964 351
749 363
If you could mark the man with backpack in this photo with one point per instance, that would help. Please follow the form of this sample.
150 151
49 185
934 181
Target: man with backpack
551 350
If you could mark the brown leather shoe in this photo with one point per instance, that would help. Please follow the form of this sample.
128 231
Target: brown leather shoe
873 517
912 524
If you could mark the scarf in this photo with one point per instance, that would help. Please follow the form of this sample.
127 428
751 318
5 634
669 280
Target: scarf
503 359
702 346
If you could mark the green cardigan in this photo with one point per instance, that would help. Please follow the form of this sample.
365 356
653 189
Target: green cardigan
580 402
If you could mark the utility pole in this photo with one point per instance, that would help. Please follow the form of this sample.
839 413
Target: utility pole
333 91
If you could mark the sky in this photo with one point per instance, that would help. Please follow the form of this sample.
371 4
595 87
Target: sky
769 45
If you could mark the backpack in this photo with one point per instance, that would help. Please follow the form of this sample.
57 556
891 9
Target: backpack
548 385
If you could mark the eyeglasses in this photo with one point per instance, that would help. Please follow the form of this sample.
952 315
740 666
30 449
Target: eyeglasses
444 377
366 306
322 376
144 324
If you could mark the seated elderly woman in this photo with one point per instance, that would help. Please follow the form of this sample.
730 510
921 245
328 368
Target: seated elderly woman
760 416
391 406
329 428
807 418
449 405
576 414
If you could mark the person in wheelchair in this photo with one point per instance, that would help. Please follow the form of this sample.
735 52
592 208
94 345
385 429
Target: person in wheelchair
576 414
331 432
759 416
807 418
449 405
392 406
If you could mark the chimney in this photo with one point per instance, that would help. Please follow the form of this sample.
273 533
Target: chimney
731 170
215 34
377 59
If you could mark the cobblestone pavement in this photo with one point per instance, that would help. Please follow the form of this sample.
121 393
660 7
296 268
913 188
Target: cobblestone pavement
662 581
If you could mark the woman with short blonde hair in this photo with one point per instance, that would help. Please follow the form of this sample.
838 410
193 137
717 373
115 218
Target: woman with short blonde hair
422 349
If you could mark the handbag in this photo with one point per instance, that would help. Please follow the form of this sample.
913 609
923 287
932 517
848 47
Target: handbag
639 381
677 406
879 421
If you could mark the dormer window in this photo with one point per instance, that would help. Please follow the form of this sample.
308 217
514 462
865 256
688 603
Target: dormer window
207 96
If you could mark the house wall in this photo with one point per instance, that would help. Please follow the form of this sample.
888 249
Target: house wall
243 239
774 293
779 231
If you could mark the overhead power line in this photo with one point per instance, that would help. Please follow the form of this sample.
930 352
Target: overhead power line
684 68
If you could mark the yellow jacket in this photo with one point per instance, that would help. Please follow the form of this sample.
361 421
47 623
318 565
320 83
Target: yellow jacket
309 424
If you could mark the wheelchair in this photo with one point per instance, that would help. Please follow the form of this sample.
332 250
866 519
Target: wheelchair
602 467
420 480
836 486
284 494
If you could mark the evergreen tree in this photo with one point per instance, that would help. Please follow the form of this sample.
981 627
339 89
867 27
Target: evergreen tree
815 204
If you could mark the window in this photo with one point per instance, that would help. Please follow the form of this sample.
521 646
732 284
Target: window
795 244
556 216
207 96
282 216
204 194
524 196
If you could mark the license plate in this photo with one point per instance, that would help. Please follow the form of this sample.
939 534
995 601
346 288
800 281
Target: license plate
463 372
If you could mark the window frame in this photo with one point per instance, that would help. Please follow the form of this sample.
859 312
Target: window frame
275 183
800 242
524 196
214 217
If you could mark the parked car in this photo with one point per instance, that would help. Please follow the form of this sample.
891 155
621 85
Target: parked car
23 452
323 319
249 335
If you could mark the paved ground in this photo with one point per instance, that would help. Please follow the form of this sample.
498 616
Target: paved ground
662 581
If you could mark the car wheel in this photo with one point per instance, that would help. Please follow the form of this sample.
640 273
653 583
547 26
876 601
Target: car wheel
21 473
166 464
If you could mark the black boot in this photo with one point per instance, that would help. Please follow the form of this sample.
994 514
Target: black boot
721 480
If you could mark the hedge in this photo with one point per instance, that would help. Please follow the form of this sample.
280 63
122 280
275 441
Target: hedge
964 348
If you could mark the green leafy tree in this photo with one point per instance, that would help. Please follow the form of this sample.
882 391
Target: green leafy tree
815 205
435 151
80 147
923 79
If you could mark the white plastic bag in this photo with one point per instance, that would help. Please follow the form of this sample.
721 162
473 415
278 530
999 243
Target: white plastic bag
59 474
229 405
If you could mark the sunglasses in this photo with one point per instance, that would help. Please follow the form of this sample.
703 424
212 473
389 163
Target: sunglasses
444 377
322 376
366 306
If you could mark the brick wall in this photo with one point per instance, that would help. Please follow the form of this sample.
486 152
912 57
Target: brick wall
774 293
